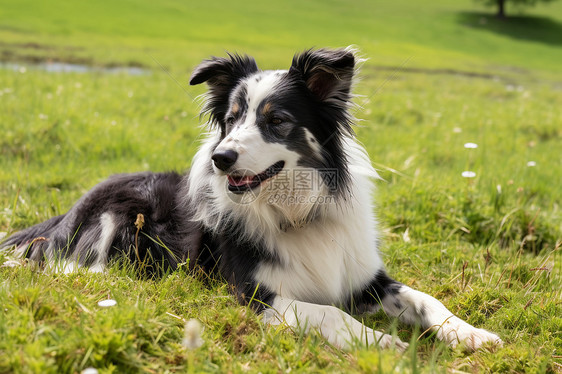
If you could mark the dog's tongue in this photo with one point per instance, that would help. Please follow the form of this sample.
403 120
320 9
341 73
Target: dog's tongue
240 181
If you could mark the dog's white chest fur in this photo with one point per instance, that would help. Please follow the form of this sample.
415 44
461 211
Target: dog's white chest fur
327 260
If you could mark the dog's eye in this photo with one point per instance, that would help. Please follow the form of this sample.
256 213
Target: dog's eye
276 121
230 120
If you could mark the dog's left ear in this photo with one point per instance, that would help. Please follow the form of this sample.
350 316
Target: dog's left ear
328 74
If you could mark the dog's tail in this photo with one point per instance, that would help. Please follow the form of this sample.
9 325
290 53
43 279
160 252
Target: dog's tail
33 241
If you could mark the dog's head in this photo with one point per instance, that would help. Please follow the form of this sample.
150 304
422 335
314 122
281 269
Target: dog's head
271 122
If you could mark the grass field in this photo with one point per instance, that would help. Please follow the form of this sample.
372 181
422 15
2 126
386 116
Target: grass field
437 76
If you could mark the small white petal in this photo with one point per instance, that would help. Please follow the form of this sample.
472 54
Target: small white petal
470 145
531 164
468 174
89 371
107 303
193 331
406 235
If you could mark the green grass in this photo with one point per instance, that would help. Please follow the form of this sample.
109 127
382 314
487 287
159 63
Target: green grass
179 33
438 76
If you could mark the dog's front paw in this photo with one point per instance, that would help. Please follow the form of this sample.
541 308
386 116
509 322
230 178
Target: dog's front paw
388 341
455 331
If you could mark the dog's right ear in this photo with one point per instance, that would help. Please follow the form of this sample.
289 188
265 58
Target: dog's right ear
221 75
219 71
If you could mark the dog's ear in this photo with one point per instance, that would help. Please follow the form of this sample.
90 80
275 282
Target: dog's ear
222 75
328 74
218 71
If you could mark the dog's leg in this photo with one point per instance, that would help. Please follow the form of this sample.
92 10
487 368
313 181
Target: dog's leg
338 327
415 307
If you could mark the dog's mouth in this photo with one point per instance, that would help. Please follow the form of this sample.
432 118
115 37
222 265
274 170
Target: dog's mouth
240 183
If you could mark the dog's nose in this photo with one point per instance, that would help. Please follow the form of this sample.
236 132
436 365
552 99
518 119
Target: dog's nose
224 159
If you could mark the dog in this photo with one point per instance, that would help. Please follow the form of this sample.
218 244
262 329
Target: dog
277 201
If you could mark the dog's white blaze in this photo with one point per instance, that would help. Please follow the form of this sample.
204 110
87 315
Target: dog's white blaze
260 86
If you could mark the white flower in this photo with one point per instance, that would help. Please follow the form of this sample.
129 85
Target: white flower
193 331
89 371
107 303
470 145
531 164
406 235
468 174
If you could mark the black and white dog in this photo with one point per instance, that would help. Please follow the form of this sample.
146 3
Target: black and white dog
278 201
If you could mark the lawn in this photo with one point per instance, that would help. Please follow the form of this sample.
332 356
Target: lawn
438 76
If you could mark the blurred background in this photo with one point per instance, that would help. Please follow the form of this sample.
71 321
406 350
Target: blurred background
465 34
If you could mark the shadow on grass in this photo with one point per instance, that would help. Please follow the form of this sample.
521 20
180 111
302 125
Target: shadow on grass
535 29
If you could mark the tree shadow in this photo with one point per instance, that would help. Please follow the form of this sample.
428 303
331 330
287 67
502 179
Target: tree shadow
531 28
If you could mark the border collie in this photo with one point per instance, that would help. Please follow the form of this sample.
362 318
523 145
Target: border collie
277 201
